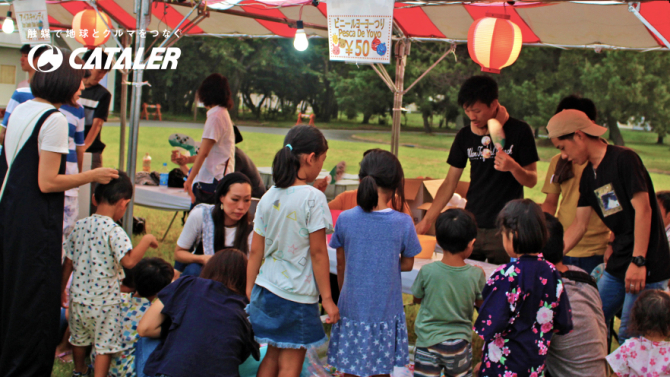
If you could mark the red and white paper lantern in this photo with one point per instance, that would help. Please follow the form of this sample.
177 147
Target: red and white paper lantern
494 42
89 23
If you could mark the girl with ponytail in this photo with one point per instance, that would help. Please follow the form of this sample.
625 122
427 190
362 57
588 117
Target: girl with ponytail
374 243
290 228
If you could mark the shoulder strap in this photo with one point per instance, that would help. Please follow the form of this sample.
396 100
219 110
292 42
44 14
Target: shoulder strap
580 277
10 159
225 169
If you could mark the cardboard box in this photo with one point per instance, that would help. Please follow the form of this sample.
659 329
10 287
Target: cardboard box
414 195
433 185
420 194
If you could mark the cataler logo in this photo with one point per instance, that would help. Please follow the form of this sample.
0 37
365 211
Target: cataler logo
53 56
159 58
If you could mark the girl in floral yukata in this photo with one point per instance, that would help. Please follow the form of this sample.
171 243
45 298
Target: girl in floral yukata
524 301
649 353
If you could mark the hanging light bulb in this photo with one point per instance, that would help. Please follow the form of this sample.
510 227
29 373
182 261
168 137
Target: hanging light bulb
8 24
300 42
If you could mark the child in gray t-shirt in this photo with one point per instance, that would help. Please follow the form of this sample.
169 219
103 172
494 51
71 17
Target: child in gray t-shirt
448 290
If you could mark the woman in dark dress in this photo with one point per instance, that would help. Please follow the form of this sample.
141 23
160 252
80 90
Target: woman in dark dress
201 322
32 167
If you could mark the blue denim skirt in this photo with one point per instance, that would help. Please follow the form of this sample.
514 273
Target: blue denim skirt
283 323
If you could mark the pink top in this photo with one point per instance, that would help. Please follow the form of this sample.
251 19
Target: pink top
641 357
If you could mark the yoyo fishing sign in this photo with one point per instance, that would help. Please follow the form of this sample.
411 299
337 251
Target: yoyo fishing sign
360 31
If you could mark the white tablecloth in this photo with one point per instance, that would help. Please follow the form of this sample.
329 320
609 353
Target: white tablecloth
172 199
348 182
409 276
167 199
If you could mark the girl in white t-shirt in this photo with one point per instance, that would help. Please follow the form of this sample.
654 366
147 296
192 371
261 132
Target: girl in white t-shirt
216 156
290 228
210 228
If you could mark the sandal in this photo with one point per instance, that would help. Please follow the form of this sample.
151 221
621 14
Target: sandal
61 356
89 372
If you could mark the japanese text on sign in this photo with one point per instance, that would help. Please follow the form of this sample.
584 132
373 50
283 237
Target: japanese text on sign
360 38
71 33
360 31
32 14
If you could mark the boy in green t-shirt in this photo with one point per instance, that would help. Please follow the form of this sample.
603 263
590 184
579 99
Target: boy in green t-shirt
448 290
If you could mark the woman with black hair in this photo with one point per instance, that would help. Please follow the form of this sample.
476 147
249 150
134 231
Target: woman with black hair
216 156
214 227
201 322
32 167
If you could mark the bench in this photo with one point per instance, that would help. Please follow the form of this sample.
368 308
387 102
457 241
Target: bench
302 116
156 113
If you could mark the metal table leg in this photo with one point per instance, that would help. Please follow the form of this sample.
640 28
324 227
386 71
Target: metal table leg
169 226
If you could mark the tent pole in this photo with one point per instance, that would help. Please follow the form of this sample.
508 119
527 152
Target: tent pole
401 51
143 19
124 106
635 9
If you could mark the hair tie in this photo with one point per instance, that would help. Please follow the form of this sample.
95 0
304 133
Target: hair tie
289 147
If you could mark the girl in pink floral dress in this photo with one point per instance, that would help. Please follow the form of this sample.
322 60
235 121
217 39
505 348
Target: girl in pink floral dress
524 302
648 354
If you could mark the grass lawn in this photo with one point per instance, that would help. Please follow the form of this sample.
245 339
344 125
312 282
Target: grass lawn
262 147
653 155
410 121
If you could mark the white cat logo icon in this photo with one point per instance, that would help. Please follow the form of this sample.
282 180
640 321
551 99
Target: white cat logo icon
48 61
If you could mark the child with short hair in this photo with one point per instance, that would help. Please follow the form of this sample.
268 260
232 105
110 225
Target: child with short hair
150 276
290 228
96 252
448 290
524 301
647 354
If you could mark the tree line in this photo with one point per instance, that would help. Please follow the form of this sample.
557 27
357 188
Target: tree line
625 85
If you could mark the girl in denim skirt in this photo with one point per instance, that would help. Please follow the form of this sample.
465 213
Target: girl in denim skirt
290 228
374 243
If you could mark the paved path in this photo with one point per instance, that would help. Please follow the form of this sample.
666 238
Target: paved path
342 135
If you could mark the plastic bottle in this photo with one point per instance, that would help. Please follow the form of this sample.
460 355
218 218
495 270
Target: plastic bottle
164 176
146 163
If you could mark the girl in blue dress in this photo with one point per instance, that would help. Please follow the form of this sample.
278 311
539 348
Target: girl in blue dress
374 243
524 301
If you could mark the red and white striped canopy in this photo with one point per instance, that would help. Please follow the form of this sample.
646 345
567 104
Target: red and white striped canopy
561 23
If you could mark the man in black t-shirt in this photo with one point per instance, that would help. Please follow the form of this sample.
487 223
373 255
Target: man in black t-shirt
617 186
96 100
496 177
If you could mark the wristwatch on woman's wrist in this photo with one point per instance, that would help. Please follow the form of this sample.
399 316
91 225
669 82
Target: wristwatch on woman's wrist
639 261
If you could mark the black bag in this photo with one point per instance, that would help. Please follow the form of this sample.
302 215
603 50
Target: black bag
176 178
203 196
238 135
139 225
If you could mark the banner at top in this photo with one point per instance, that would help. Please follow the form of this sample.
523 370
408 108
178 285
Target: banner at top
360 31
33 21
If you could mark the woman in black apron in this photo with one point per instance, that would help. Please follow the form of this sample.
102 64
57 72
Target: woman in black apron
32 167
